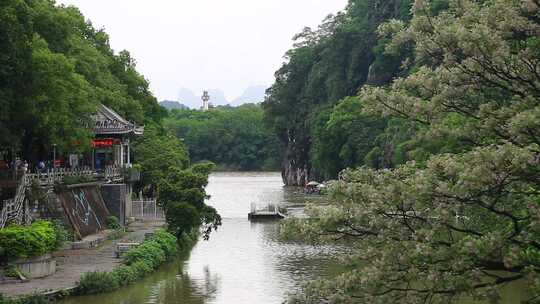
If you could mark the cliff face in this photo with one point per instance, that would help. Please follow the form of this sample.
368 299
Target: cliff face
296 168
325 66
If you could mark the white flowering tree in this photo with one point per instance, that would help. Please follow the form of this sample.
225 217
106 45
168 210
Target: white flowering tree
460 225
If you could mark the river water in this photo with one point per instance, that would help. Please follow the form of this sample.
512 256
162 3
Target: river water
243 262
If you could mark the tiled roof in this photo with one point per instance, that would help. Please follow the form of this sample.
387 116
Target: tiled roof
108 122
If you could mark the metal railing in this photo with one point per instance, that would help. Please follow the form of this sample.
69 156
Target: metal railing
49 177
113 172
13 209
267 209
147 210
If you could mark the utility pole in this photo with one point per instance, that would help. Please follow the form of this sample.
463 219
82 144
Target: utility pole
54 156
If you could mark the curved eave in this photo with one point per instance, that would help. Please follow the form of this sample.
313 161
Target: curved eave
136 131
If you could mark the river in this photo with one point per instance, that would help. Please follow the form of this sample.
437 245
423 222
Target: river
243 262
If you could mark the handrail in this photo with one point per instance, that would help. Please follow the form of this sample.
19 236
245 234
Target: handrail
14 210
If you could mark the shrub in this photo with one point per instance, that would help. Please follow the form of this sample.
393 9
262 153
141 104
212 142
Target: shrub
23 242
98 282
139 262
167 242
149 252
141 269
34 299
61 234
125 275
113 222
12 271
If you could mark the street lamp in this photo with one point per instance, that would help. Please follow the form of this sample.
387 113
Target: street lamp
54 156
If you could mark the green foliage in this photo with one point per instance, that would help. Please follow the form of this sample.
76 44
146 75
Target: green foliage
139 262
188 240
232 137
459 219
149 252
157 152
12 271
166 174
324 67
183 194
182 218
34 299
28 241
346 137
126 275
167 242
97 282
55 70
62 235
113 222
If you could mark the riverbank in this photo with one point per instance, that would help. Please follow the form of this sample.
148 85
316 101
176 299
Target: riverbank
72 264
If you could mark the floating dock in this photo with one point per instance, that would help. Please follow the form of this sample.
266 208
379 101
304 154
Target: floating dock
270 212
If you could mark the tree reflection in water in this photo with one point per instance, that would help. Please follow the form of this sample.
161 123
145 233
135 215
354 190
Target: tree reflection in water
169 285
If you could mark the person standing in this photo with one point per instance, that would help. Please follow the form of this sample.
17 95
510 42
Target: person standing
41 166
25 167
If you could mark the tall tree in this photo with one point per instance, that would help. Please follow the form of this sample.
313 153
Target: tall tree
462 223
55 69
325 66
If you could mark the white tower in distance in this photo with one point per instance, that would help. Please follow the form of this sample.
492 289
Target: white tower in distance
205 101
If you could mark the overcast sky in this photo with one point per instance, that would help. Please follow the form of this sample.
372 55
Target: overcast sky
205 44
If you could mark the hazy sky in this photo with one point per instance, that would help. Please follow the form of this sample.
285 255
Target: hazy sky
205 44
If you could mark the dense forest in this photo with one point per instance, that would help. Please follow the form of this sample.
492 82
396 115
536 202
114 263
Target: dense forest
313 108
434 108
234 138
55 70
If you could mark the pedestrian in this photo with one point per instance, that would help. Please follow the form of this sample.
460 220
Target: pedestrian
41 166
25 166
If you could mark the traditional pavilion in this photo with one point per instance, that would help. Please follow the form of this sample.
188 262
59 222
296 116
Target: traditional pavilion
111 145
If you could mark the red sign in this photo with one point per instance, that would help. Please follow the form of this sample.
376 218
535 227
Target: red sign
102 143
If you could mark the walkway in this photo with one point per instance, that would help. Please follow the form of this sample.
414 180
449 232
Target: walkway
71 264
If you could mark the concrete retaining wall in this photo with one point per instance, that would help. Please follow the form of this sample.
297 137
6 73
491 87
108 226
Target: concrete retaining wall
37 267
115 196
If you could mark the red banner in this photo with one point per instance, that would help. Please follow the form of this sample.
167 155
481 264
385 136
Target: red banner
102 142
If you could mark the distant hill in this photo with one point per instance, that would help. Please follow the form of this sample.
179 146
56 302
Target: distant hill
253 94
188 98
171 104
217 97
